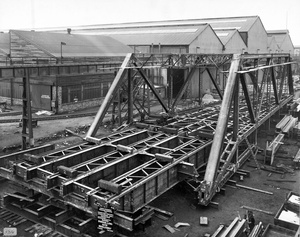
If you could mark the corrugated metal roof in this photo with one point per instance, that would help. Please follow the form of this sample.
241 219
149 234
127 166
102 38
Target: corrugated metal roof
4 43
243 24
168 35
75 45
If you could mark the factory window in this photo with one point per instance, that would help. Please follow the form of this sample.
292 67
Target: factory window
91 91
71 94
75 93
64 96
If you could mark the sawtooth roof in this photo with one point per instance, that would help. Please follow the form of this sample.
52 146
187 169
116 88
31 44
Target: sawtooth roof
75 45
168 35
243 24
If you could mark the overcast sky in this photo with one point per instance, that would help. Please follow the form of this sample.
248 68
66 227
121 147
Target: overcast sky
27 14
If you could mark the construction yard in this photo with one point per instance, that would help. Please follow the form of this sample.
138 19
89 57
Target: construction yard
179 201
184 128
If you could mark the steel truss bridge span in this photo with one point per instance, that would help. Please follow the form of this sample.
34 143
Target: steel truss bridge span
126 170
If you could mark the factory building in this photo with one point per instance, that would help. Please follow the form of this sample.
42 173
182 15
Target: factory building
283 39
195 36
273 46
232 41
4 46
251 29
236 35
297 50
66 89
168 39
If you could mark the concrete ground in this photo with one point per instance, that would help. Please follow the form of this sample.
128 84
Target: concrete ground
178 200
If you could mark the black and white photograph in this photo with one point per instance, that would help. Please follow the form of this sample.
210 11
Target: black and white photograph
149 118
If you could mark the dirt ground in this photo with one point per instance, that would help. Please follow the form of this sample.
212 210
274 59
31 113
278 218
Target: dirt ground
178 200
44 133
185 209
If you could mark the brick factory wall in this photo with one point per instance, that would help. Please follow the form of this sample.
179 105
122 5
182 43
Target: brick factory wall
74 105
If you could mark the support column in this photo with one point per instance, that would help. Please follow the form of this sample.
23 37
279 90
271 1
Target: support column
200 86
26 116
130 97
11 91
119 108
169 82
148 99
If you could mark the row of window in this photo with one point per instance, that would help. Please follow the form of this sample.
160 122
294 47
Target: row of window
76 93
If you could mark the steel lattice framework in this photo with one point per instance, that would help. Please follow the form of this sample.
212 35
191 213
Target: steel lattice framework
128 169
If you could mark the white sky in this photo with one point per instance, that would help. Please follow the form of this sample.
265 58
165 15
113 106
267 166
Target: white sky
27 14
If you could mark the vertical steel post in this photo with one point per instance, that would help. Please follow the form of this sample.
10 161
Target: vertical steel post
27 116
169 86
119 107
290 78
130 97
282 80
200 81
148 99
12 91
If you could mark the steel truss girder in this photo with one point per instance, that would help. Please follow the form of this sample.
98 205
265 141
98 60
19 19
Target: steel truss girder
55 184
139 62
41 70
183 60
182 152
264 108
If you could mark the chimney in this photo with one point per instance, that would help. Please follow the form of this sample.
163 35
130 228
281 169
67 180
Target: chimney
69 31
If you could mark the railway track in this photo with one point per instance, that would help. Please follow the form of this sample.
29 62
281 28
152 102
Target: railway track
54 117
3 116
